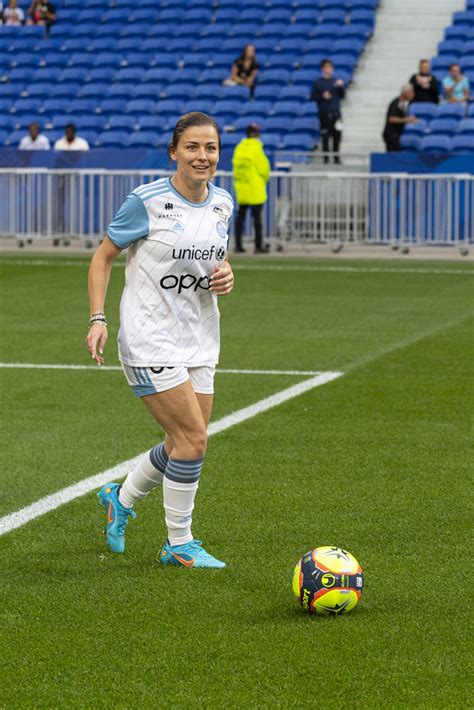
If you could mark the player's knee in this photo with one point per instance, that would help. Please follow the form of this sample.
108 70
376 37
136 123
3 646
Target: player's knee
198 443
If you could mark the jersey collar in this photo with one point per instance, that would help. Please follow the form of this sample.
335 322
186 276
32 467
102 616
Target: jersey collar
208 199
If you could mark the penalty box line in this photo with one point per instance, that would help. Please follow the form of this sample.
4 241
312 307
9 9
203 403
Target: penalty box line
66 495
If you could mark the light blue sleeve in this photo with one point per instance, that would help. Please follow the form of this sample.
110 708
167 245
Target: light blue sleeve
130 223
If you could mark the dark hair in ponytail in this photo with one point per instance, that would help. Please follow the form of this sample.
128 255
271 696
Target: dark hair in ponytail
190 120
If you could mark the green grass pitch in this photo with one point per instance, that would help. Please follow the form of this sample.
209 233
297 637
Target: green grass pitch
376 461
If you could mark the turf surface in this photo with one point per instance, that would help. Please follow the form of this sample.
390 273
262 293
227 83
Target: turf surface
376 461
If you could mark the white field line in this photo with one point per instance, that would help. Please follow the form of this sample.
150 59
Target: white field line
48 503
117 368
266 267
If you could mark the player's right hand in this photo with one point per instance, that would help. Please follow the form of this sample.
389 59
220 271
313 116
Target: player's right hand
95 341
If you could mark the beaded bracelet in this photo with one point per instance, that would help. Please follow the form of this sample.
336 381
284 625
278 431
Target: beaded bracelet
98 318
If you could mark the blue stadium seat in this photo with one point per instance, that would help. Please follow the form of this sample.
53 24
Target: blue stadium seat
22 121
25 59
265 44
348 46
65 90
138 106
106 59
277 124
286 108
19 75
130 75
362 17
308 108
86 30
120 121
173 15
268 92
466 126
144 139
230 140
198 105
251 14
410 141
298 142
113 139
113 105
435 144
102 74
60 121
14 138
307 14
304 76
342 4
26 106
338 17
245 31
452 110
294 93
451 47
182 92
260 108
156 75
170 107
227 108
285 60
201 15
463 144
54 59
185 76
52 106
358 32
162 31
228 14
330 30
443 62
209 92
91 122
443 126
458 32
95 88
424 110
463 17
419 128
7 122
149 123
116 15
120 90
279 14
80 59
10 92
3 135
467 63
274 76
218 75
273 29
108 31
147 91
344 62
306 124
73 74
88 134
80 106
144 15
364 4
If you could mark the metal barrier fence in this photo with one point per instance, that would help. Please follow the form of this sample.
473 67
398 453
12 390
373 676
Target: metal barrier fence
303 208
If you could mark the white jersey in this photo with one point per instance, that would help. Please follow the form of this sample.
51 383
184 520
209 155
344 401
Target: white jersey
168 315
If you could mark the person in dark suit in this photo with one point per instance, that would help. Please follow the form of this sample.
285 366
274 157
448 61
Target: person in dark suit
328 92
397 118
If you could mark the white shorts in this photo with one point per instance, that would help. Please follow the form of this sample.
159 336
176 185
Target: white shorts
151 380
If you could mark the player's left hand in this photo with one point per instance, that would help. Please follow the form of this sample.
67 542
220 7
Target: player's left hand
222 280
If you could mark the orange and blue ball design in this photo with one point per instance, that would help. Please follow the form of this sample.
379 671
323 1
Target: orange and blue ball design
328 581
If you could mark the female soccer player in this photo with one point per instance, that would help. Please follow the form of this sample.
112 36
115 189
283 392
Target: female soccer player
176 232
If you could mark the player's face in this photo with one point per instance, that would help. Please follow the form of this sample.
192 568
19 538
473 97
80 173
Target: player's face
197 153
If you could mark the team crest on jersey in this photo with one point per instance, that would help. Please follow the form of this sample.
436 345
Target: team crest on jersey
221 230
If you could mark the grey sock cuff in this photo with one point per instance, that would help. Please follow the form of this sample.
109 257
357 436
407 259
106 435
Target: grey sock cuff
159 457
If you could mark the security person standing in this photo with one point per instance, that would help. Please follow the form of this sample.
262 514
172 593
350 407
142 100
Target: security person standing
251 169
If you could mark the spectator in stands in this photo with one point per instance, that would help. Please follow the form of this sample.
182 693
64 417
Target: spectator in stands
397 118
42 13
35 140
251 169
328 92
244 69
13 15
70 140
456 85
425 84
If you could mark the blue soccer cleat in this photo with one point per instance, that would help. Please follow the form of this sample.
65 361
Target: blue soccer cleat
117 516
191 554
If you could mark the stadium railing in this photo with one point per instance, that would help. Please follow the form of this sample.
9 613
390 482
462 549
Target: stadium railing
303 208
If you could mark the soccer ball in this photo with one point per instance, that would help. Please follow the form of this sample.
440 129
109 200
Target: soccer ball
328 581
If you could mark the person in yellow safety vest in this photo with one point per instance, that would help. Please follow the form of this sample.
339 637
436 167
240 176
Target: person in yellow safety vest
251 169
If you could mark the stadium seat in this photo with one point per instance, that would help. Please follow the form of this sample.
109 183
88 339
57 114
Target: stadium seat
276 124
198 105
304 76
267 92
451 47
330 31
91 122
113 139
227 108
80 106
230 140
60 121
113 105
416 129
286 108
298 142
240 93
294 92
336 16
306 124
443 126
435 144
94 89
466 126
260 108
463 17
452 110
138 106
120 121
458 32
170 107
147 91
424 110
463 144
183 92
144 139
26 106
274 76
52 106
